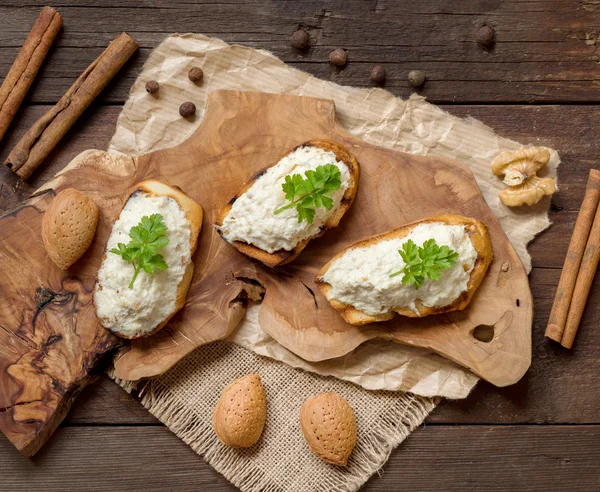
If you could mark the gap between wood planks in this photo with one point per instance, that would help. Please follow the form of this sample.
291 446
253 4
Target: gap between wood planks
427 423
446 104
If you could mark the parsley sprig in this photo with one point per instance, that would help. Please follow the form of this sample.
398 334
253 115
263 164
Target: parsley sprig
425 261
311 192
146 239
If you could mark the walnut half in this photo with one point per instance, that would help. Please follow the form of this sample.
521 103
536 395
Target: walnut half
519 169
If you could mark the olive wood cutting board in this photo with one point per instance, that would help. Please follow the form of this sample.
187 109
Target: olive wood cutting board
50 338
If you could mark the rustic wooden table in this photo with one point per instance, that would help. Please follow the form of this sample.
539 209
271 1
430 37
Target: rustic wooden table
538 84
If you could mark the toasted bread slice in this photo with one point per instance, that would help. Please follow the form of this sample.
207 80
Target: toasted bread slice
282 256
193 216
481 242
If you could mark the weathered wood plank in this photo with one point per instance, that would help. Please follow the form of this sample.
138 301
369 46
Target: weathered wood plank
397 22
447 81
545 50
105 403
433 458
109 458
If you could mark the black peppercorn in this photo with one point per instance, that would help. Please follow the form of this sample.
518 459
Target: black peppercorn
416 77
338 57
485 35
378 74
300 39
187 109
196 74
152 87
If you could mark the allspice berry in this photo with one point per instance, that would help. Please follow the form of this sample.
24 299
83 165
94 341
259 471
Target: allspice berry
338 57
416 77
485 35
300 39
196 74
152 87
187 109
378 74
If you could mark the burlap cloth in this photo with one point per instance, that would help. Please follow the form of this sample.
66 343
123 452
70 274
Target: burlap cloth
184 397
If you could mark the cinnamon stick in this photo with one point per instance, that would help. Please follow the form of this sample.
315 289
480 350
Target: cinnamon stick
26 65
43 136
571 267
585 277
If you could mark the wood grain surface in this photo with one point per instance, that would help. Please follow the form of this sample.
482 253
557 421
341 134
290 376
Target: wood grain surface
50 341
454 458
540 397
546 56
226 152
545 50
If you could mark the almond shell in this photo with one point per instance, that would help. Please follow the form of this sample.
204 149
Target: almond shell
241 412
328 424
69 226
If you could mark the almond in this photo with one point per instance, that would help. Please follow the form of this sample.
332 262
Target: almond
329 427
68 227
240 414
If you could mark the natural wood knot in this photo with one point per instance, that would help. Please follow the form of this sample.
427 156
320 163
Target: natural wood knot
45 296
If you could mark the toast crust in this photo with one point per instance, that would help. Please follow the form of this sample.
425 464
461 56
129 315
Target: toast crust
480 238
281 257
193 214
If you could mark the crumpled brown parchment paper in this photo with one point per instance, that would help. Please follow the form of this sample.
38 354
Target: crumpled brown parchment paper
150 123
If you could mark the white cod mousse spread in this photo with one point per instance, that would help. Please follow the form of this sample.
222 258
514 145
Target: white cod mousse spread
361 276
251 218
142 308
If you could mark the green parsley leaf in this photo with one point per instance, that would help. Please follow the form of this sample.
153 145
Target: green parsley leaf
147 238
311 192
423 262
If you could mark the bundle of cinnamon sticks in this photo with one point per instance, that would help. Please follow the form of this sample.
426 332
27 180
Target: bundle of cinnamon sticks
579 268
45 134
